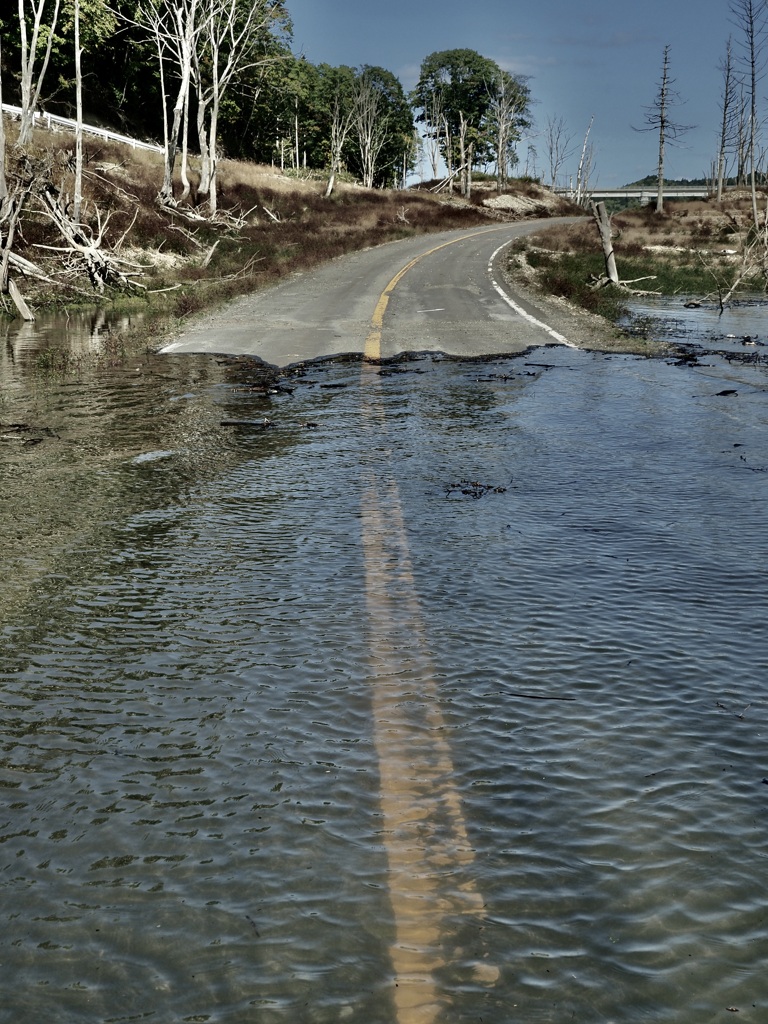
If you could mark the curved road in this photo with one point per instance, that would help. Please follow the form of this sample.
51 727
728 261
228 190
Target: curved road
443 292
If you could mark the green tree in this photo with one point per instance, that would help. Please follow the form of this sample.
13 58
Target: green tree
296 106
458 83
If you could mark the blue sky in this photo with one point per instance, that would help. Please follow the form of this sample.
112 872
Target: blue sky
600 58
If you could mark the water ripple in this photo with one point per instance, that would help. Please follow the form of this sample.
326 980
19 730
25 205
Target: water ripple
191 825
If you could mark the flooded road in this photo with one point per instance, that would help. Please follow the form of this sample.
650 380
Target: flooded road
441 698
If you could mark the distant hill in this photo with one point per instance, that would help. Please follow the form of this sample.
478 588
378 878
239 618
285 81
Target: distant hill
652 179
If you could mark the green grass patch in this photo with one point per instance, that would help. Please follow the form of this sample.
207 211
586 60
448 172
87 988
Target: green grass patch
570 276
676 274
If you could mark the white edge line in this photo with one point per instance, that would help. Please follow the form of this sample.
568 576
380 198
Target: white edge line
518 309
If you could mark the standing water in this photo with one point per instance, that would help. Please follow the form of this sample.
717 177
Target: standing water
438 698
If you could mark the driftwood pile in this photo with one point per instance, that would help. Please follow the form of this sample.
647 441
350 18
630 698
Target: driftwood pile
84 252
103 268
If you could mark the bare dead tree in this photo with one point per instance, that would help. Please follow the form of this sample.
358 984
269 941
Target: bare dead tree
32 79
434 117
78 197
751 17
341 126
558 141
506 105
603 222
3 178
103 267
584 169
611 276
185 29
728 124
229 43
174 27
658 119
448 154
741 143
12 200
370 124
464 177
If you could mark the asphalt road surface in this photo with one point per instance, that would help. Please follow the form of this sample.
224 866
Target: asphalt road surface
444 292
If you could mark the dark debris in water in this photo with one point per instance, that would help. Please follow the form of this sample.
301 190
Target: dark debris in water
251 375
472 489
25 434
392 371
262 424
752 358
493 377
689 354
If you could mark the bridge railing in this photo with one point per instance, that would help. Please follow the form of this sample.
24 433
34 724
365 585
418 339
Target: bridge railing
44 120
644 193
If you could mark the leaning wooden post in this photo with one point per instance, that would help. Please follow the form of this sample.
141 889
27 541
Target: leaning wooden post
604 227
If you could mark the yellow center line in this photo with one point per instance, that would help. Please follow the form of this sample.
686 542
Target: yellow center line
372 349
429 854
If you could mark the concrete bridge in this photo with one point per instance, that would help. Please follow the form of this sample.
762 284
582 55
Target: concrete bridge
645 193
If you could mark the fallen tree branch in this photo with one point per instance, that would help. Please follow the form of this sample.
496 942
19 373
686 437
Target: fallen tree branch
209 255
624 286
189 235
101 267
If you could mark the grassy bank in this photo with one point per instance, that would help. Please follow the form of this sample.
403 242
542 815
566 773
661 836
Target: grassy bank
695 249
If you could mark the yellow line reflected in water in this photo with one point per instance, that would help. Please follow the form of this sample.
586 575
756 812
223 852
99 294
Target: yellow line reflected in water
429 855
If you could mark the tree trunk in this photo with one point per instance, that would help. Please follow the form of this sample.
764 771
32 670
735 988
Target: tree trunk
166 191
752 31
726 124
448 155
463 153
662 131
30 92
212 144
205 153
296 163
184 168
604 227
12 213
185 32
79 119
581 175
3 181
